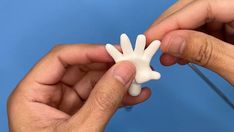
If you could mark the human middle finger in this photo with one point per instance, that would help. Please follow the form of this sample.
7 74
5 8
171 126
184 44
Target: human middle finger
133 100
175 7
201 11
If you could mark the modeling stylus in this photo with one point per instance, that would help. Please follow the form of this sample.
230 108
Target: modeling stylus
211 85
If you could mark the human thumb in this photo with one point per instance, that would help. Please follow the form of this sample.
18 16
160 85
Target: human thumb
105 98
201 49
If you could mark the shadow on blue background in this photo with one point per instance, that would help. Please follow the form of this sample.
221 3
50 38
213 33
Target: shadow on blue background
181 101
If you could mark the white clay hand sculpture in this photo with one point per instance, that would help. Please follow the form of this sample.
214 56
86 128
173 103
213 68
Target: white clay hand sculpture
140 57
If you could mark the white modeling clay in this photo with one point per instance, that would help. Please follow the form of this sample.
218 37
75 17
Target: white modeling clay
140 57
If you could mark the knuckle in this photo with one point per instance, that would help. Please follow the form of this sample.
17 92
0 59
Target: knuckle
209 8
106 101
204 54
58 47
56 50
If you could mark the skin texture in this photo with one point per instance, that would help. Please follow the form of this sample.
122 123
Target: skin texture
72 88
197 31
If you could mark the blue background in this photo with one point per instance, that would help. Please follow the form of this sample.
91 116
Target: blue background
181 101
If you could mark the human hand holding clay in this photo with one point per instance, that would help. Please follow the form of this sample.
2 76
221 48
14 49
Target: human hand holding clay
71 89
197 31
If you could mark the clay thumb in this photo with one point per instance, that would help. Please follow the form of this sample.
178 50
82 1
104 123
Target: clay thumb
201 49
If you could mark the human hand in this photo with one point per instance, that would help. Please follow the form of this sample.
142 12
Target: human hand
71 89
197 31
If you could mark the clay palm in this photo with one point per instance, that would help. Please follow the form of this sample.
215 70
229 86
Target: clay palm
140 56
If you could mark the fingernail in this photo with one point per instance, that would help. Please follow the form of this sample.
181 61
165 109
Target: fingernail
176 46
124 72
